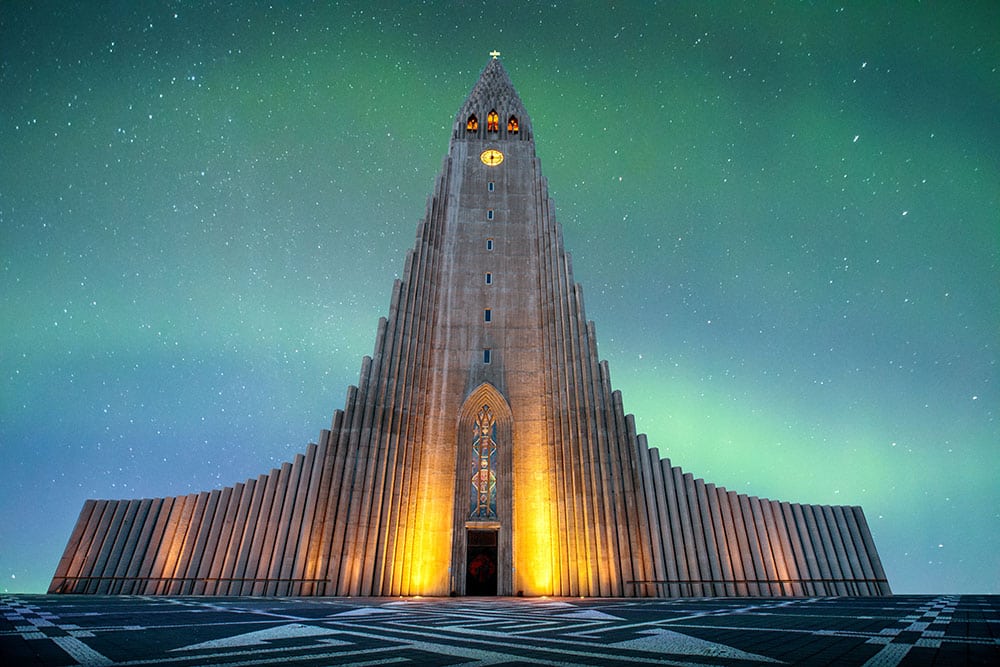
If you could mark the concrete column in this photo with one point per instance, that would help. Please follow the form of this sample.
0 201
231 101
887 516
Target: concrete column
615 485
711 545
253 497
771 548
385 450
285 542
698 533
65 568
315 456
318 549
664 538
177 529
224 544
720 540
114 547
629 542
260 510
361 519
753 546
687 535
607 536
202 533
210 547
345 486
838 534
142 545
831 550
149 567
732 541
674 542
181 584
743 538
872 553
647 506
93 543
791 551
642 553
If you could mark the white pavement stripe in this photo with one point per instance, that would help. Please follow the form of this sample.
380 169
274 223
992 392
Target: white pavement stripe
259 637
890 656
669 642
494 657
83 654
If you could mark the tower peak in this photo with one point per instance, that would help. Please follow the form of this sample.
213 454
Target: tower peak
493 110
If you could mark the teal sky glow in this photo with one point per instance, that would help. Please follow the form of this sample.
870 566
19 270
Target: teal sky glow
784 217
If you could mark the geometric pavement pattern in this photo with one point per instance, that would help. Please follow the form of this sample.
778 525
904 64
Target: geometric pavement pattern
189 631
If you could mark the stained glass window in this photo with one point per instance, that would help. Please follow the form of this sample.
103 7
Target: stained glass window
483 501
493 121
512 125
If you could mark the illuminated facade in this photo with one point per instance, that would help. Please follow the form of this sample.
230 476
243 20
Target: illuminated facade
483 450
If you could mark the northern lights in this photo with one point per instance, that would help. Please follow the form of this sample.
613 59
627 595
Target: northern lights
784 219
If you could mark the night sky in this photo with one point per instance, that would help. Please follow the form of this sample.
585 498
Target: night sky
784 217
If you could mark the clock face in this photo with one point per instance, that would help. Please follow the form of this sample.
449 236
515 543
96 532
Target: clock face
491 157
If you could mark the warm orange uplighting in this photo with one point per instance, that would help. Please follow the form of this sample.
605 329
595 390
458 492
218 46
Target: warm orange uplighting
170 553
532 533
428 555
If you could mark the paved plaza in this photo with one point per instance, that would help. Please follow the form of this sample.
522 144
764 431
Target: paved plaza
188 631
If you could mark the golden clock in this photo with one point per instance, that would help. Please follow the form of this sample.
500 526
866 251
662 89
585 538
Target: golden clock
491 157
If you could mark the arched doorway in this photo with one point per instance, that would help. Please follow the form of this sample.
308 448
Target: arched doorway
482 558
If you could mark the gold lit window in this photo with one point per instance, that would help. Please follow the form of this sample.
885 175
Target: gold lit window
493 121
512 125
472 124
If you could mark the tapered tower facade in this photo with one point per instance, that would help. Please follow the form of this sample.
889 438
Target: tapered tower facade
483 451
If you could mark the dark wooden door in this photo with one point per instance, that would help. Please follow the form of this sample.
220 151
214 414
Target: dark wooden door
481 563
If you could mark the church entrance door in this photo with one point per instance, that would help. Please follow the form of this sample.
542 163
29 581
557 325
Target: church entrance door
481 563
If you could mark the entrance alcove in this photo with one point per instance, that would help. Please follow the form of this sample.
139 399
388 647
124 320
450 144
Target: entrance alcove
481 562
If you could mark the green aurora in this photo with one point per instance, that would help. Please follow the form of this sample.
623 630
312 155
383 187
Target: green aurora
783 215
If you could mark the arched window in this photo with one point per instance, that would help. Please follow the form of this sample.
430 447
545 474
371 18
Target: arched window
483 496
472 124
512 125
493 121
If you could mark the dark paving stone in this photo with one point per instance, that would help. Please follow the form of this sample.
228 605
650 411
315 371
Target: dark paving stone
189 631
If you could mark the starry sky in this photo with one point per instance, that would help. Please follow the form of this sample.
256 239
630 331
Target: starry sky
784 217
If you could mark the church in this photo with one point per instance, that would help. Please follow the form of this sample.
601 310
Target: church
483 451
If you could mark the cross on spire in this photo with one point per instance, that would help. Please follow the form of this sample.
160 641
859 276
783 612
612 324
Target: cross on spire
495 54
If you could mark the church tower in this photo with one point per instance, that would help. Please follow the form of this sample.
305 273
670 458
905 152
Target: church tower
483 451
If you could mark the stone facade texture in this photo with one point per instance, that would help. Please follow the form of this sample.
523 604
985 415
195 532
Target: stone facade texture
486 320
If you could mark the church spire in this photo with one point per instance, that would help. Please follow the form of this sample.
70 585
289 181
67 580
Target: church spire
483 450
493 110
